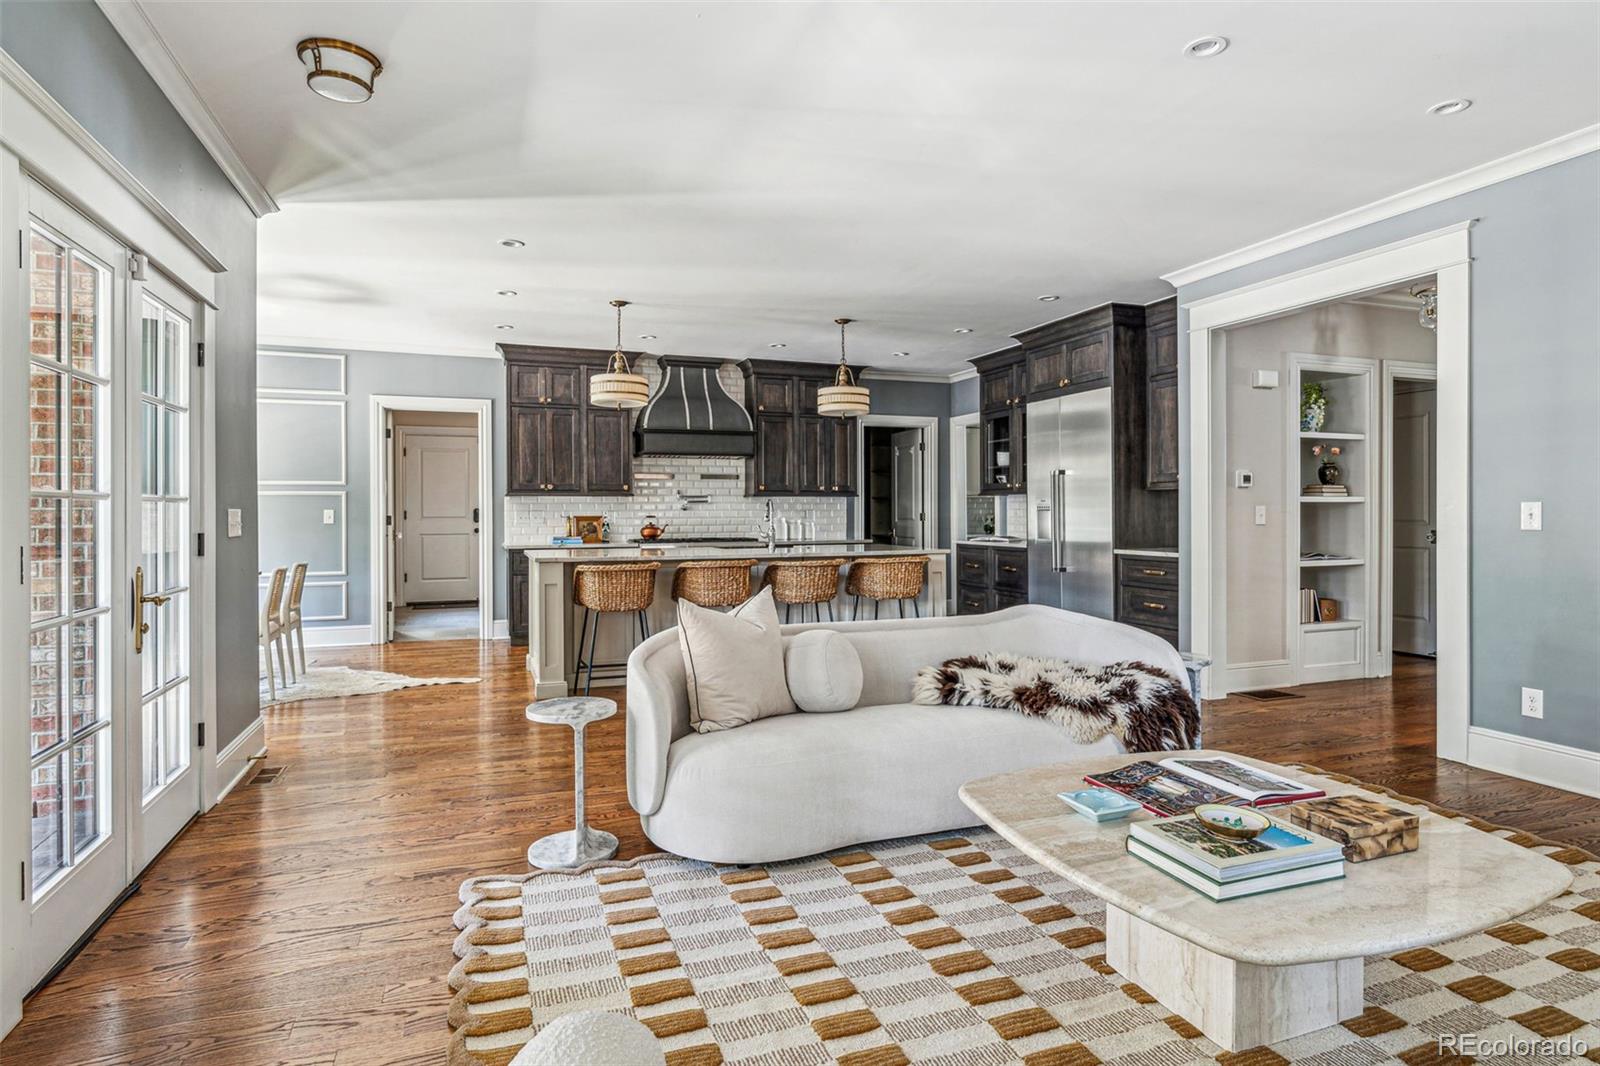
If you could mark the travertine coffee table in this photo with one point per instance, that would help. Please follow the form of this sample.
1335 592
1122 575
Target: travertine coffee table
1265 968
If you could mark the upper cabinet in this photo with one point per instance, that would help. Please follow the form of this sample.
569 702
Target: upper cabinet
1002 401
798 452
556 444
1161 395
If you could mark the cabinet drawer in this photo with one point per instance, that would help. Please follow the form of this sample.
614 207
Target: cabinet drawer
1150 572
1004 598
971 600
1144 606
973 566
1011 569
1166 633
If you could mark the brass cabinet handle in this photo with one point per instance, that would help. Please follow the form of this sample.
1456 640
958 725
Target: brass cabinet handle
1154 573
1009 569
1155 606
761 407
761 488
1063 383
624 486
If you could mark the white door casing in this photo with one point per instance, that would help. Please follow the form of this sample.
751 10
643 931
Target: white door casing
1413 558
439 511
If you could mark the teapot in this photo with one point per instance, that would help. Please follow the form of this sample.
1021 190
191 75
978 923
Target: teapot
651 530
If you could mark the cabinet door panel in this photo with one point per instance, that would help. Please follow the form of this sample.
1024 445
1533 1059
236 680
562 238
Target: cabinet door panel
525 384
997 388
518 608
561 464
1161 351
775 453
971 600
812 462
806 395
773 395
608 452
524 445
842 453
1161 434
1089 360
565 384
1047 369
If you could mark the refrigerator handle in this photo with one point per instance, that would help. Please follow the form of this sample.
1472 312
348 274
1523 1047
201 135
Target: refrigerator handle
1057 496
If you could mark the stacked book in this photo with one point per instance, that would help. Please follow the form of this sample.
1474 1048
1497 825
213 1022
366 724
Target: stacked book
1325 490
1315 608
1223 868
1180 784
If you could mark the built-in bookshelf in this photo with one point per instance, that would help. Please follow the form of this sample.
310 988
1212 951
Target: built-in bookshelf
1335 527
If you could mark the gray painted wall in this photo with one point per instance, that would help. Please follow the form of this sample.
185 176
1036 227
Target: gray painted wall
71 50
1535 435
285 538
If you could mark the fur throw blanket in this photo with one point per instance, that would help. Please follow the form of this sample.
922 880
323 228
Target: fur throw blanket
1144 707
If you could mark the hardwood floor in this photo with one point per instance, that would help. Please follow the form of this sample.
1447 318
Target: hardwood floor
308 920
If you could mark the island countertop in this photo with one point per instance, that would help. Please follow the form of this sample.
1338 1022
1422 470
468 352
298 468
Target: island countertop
685 553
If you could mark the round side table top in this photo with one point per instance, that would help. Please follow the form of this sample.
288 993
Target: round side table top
571 710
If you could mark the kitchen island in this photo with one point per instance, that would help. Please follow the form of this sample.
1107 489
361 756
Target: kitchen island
552 628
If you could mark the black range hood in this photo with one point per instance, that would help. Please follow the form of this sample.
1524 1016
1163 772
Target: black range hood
690 414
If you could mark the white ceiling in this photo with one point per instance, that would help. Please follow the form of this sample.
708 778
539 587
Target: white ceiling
746 173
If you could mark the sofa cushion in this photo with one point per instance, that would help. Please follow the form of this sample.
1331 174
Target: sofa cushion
824 671
733 663
804 783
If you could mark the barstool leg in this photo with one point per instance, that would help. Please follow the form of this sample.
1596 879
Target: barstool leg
830 610
788 612
875 605
644 617
594 640
855 608
583 631
916 611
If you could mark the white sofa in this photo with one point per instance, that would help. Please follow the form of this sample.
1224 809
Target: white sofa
803 783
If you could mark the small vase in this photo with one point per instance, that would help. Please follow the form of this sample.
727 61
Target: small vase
1329 473
1312 419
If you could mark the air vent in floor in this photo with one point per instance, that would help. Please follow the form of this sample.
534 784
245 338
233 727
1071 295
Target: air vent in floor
1267 695
267 775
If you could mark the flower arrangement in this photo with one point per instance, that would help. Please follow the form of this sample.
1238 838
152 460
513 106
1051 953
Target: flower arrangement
1313 406
1328 473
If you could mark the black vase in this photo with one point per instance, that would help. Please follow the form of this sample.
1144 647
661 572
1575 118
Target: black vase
1329 473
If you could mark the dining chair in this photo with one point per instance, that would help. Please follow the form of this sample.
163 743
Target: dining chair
290 620
269 634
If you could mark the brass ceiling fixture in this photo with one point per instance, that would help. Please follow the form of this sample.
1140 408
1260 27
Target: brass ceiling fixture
1428 313
619 387
340 71
844 397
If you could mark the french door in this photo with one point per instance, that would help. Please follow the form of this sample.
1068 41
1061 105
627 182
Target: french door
109 657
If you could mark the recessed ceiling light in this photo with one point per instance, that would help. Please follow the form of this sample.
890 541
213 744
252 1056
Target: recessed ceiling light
1047 299
777 344
512 242
504 326
505 292
647 336
1205 47
961 329
901 355
1450 107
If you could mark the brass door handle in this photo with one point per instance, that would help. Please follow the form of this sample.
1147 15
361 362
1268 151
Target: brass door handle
140 626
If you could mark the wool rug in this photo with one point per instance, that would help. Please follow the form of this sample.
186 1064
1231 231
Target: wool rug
954 949
329 682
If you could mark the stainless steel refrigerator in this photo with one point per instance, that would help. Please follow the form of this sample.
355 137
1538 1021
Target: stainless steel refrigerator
1069 503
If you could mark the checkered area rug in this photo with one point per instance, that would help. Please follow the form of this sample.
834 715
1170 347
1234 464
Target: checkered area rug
953 949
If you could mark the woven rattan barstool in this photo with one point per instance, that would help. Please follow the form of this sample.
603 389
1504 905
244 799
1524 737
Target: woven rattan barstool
899 578
611 588
714 583
812 581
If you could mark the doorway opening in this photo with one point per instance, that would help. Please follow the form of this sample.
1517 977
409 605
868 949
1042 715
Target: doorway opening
899 498
1410 534
433 575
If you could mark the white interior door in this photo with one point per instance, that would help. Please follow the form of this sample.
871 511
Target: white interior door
73 790
1415 560
163 478
909 511
439 516
391 566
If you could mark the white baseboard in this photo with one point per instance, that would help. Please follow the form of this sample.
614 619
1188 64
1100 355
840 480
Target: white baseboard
501 630
337 636
1550 764
235 762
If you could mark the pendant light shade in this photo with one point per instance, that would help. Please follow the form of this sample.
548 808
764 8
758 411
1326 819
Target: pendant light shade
844 397
619 387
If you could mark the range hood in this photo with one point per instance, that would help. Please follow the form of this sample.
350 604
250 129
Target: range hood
690 414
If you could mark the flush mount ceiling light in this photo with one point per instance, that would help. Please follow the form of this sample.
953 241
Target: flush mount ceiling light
961 329
844 397
900 355
511 242
777 344
505 326
619 387
339 71
505 292
1450 107
1047 299
647 336
1205 47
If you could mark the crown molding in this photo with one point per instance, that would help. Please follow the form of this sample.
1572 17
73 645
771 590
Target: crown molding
334 346
1558 150
930 376
133 24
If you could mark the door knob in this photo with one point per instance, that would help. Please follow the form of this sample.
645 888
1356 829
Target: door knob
1433 536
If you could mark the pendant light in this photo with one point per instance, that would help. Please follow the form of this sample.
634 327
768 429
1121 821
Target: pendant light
844 397
619 387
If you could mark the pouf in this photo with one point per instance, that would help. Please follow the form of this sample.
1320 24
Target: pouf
592 1036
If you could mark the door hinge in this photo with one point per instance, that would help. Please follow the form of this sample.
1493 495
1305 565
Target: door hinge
387 433
199 543
388 606
21 261
22 880
22 565
200 728
136 266
404 452
388 519
200 353
922 446
405 513
405 579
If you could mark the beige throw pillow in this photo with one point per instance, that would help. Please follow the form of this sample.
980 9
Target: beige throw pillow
733 663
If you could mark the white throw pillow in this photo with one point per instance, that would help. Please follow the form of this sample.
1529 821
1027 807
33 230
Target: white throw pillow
734 663
824 671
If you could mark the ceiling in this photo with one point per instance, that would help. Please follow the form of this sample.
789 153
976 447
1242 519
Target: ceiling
747 173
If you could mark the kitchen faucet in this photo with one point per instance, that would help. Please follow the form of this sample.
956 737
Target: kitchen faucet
770 529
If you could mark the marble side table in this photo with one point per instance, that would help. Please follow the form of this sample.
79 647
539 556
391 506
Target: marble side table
582 844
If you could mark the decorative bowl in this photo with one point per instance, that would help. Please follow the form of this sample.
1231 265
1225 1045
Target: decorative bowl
1239 823
1099 804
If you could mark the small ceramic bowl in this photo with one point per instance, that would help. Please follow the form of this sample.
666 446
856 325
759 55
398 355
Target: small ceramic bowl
1099 804
1240 823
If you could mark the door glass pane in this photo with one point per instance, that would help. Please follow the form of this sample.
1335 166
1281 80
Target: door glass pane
44 688
88 428
176 730
174 453
89 782
44 290
175 363
150 723
44 430
88 701
49 828
44 557
172 653
150 438
149 348
90 338
90 589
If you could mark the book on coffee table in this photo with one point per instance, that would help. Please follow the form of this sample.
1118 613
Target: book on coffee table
1256 787
1283 856
1247 886
1159 790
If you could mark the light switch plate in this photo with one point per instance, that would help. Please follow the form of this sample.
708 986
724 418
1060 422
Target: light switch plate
1532 515
235 522
327 516
1261 514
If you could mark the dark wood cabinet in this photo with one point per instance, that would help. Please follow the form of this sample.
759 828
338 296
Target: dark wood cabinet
1002 403
1074 364
517 607
1161 396
798 452
990 579
1147 594
555 443
1000 383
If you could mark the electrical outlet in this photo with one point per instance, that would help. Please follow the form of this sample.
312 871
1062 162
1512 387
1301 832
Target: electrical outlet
1533 703
1532 515
1261 514
327 516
